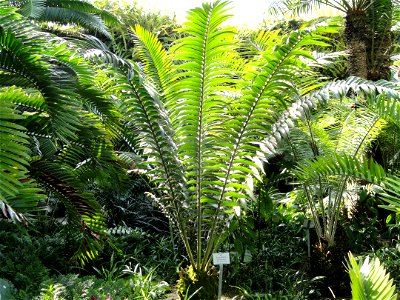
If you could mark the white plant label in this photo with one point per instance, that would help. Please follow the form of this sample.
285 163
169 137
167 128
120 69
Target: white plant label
221 258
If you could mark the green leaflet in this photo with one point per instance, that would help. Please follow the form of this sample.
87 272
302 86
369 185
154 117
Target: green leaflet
369 280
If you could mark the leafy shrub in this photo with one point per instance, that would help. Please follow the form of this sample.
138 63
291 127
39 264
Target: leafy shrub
20 262
137 246
280 263
390 257
73 287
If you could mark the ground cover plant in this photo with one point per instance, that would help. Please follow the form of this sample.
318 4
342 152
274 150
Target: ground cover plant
120 172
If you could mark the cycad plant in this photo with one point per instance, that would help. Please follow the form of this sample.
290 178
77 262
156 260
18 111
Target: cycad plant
337 133
78 12
200 111
368 35
55 130
330 146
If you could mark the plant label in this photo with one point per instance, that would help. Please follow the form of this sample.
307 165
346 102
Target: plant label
221 258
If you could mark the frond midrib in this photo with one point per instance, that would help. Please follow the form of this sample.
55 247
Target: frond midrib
239 144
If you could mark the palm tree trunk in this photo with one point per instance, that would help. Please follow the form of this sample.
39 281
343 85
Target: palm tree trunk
356 34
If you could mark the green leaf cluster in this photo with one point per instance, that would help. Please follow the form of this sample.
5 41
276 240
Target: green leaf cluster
56 130
369 280
201 111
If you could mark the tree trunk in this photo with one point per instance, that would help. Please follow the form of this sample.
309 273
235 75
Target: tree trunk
356 35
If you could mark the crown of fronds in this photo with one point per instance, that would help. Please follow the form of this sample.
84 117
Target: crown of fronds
58 125
199 118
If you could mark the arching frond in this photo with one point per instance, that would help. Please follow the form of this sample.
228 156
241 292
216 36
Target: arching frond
77 12
18 193
266 97
388 107
255 42
84 214
296 7
341 165
30 8
359 129
64 15
352 86
391 193
62 135
144 113
156 60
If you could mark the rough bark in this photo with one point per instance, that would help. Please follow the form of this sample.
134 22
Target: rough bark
356 35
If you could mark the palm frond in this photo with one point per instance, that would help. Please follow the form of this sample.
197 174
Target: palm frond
30 8
391 192
64 15
359 129
352 86
388 107
144 112
341 165
151 52
334 64
18 193
85 7
369 280
67 11
255 42
22 60
84 213
66 122
299 7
